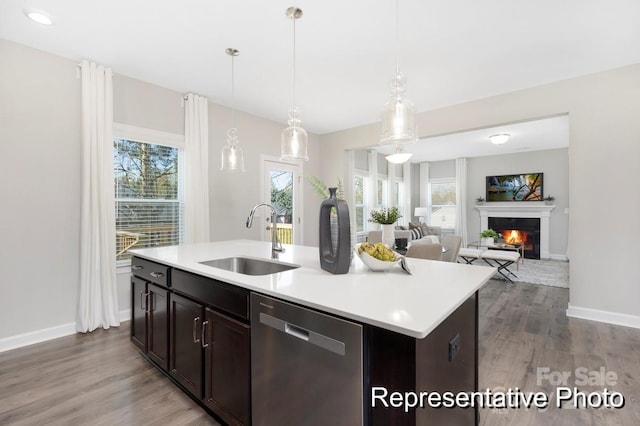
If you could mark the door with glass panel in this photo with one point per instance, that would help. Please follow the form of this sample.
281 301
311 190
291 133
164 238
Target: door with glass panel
281 183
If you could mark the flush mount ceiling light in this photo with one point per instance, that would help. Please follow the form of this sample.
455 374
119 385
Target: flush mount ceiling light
399 156
39 16
294 138
398 115
500 138
232 157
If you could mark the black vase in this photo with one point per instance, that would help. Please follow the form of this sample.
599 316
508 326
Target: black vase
335 258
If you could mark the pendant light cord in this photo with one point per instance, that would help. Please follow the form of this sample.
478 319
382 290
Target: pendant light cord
397 44
294 62
233 96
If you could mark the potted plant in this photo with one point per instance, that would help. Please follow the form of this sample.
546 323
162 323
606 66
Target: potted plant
479 201
548 200
386 217
488 237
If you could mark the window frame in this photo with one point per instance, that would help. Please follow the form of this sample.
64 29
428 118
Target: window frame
440 181
365 209
154 137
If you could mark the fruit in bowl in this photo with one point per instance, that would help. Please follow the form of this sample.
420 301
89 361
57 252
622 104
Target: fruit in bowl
378 251
378 257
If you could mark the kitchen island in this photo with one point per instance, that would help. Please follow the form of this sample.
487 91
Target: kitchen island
418 333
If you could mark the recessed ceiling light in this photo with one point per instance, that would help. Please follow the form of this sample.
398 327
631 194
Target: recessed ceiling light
499 139
39 16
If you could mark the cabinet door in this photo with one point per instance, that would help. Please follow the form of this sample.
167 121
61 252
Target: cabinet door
227 368
139 313
158 326
185 358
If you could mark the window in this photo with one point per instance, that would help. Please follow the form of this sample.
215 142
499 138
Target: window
443 202
148 195
382 192
359 189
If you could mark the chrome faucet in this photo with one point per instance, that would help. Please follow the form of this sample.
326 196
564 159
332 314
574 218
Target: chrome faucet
276 247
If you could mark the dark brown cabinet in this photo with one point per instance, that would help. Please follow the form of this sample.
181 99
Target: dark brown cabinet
157 324
210 352
227 389
139 313
186 343
197 330
149 320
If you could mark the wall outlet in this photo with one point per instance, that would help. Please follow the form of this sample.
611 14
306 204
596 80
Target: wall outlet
454 347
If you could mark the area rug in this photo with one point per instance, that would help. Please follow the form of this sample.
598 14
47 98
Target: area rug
553 273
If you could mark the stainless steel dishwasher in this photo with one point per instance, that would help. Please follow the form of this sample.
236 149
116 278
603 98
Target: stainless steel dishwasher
306 366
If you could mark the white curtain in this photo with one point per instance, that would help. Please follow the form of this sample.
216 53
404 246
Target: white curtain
461 199
425 195
406 178
196 170
98 292
372 188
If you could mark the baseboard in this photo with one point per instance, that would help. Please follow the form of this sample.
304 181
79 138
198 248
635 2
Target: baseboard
603 316
39 336
125 315
562 257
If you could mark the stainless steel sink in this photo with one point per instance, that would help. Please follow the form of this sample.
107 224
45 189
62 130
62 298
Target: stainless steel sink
249 265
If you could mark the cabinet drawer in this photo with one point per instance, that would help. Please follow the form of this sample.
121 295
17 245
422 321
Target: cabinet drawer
150 271
211 292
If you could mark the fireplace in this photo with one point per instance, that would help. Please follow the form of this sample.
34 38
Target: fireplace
527 210
519 231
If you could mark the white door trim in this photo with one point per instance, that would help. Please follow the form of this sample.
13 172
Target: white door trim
298 193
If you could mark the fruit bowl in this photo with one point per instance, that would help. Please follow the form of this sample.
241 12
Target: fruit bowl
378 265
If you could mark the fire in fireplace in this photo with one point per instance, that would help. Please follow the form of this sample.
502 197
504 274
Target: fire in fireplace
519 231
514 236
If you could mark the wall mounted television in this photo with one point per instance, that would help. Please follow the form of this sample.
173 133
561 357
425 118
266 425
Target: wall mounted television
521 187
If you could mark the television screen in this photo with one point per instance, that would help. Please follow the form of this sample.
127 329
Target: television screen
524 187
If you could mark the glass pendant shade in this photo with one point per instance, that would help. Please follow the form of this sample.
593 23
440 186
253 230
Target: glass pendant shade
294 139
398 115
232 156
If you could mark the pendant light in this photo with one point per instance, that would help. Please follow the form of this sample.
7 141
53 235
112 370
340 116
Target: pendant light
294 138
232 157
399 115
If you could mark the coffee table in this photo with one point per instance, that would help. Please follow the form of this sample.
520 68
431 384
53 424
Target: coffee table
500 246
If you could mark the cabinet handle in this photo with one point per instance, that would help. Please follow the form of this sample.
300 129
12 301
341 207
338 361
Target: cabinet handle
156 274
195 327
137 267
203 334
143 293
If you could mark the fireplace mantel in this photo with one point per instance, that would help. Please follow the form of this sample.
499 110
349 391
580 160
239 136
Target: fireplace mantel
520 209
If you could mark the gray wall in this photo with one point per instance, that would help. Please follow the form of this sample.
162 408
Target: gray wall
40 189
40 176
553 163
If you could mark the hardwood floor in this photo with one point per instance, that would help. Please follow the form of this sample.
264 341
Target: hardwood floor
90 379
101 379
524 327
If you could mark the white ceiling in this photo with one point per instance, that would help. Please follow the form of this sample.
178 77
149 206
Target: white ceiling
535 135
451 51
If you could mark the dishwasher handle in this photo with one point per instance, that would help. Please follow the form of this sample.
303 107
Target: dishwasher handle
310 336
296 331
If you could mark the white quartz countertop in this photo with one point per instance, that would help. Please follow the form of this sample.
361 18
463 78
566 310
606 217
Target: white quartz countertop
413 305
